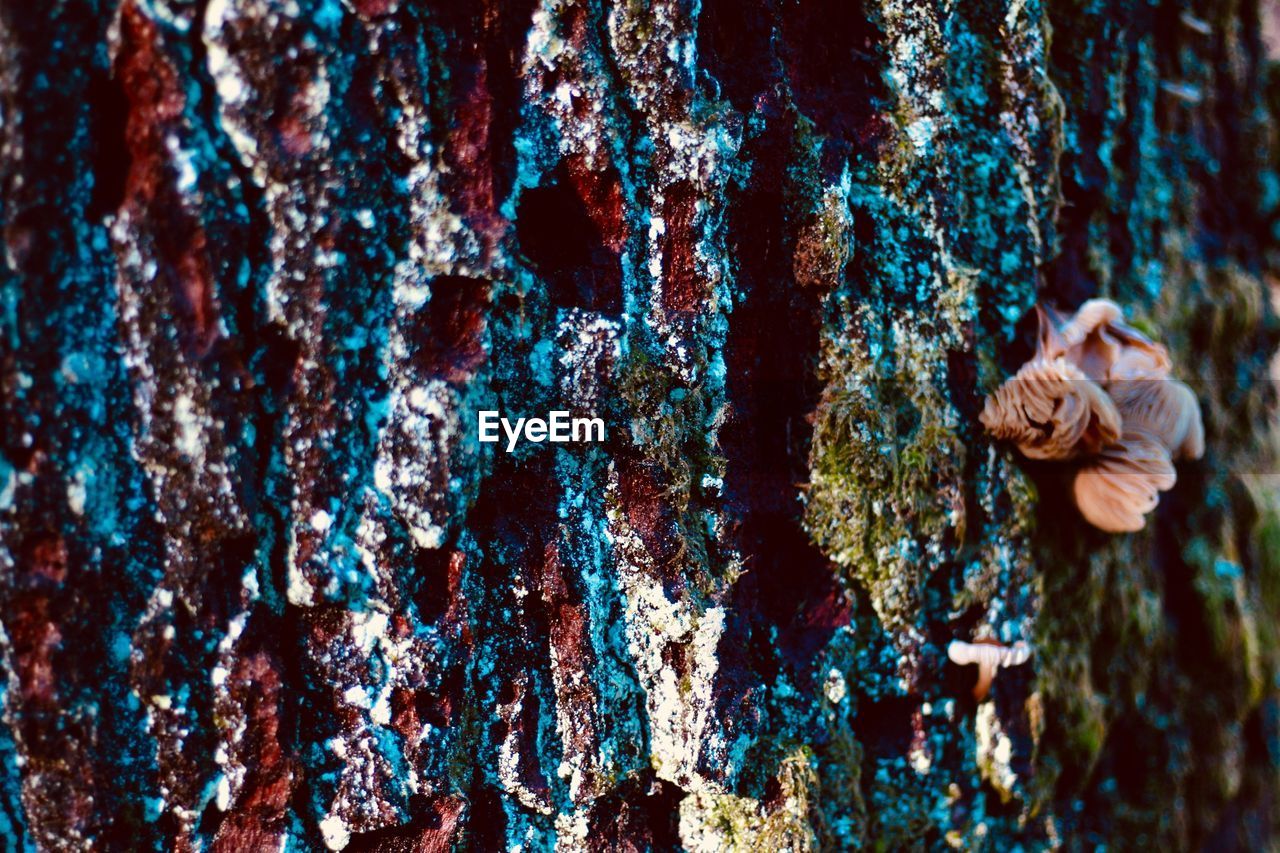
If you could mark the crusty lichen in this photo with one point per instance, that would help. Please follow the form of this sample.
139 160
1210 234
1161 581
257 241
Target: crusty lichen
722 821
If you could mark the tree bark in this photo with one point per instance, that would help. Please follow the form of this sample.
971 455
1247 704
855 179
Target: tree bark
267 260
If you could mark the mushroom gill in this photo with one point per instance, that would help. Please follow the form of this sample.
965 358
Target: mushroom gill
1165 408
1051 410
1119 486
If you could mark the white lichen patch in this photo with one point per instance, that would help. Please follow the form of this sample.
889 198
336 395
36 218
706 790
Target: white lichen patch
227 77
300 591
572 832
994 751
589 346
373 782
76 490
336 833
510 756
422 431
835 687
678 703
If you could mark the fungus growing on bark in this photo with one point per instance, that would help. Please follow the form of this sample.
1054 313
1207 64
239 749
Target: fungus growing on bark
1098 341
989 656
1165 408
1099 391
1051 410
1118 487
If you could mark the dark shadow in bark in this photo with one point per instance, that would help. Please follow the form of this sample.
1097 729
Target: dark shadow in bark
566 247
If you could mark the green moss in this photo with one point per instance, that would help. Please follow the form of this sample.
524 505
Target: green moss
1261 560
668 419
723 821
882 457
1267 560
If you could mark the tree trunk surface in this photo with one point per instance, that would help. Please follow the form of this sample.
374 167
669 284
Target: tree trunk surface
266 261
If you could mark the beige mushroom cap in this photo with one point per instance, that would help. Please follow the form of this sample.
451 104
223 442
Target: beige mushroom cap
1165 408
1098 341
1051 410
1144 360
1091 316
989 656
1115 490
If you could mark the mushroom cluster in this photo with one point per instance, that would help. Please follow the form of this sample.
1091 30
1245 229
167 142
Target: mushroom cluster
1099 392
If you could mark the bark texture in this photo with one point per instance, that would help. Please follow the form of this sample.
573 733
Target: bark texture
265 260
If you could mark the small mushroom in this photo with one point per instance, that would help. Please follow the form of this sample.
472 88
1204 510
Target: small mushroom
989 656
1165 408
1118 487
1051 410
